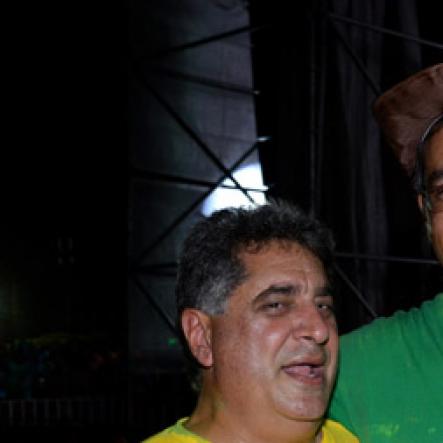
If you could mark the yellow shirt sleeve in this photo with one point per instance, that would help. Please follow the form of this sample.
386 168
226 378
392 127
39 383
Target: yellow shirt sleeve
334 432
176 434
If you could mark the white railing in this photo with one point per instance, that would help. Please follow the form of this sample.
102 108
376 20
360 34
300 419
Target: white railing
49 411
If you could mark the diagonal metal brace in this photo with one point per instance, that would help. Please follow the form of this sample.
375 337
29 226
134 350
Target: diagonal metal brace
386 31
355 291
387 258
193 206
163 314
361 67
202 145
206 40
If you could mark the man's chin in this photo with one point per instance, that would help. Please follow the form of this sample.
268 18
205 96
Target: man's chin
309 408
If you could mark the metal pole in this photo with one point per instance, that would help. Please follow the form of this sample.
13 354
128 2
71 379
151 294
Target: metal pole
200 143
355 291
356 60
202 80
158 176
159 269
321 82
387 258
386 31
194 205
312 114
164 315
206 40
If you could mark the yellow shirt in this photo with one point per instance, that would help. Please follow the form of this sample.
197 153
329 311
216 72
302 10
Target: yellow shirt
333 432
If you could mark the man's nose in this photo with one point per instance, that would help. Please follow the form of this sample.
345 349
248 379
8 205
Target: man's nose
310 324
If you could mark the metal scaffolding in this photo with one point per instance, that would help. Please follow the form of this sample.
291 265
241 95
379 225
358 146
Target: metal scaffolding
145 66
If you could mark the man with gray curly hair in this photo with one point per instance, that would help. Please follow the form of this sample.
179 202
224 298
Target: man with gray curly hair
255 308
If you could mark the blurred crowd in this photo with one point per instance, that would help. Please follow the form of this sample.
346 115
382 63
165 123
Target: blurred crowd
59 366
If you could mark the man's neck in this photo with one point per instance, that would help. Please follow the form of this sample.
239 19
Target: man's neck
217 423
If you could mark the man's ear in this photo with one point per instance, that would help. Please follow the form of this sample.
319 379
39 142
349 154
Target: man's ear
196 327
421 203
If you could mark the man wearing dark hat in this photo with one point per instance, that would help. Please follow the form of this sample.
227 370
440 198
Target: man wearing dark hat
390 385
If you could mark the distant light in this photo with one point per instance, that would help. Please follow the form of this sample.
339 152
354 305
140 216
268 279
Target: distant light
249 176
172 342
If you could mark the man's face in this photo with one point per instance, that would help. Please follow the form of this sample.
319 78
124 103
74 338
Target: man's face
434 180
275 347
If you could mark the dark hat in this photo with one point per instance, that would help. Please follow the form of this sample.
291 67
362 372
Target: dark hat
407 110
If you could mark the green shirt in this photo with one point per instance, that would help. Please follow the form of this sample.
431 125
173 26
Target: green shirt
390 383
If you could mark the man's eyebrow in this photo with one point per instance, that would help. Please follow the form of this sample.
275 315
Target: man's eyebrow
324 291
284 289
291 289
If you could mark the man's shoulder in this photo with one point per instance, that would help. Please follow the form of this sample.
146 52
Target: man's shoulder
429 313
176 433
334 432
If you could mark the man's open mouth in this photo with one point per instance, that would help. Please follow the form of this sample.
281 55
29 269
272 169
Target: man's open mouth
309 373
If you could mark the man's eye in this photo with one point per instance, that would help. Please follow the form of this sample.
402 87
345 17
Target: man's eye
437 192
326 307
275 307
436 198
